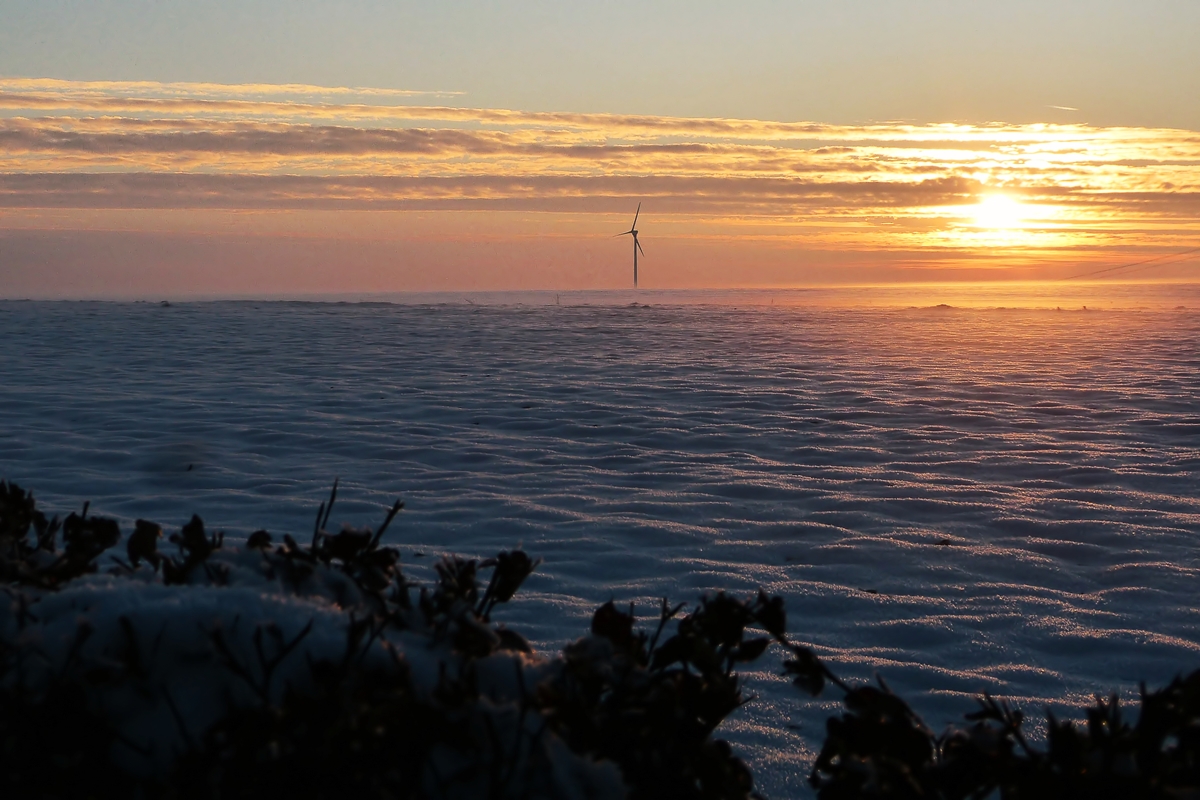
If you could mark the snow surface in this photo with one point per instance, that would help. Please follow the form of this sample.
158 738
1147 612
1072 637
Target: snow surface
171 681
962 499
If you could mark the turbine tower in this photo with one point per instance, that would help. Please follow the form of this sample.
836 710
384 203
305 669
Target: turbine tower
636 245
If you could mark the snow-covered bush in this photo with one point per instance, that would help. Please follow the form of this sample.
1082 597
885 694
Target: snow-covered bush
318 671
282 670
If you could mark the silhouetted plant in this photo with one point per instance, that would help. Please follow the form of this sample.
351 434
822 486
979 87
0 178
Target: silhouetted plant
652 705
195 546
879 748
356 727
28 549
646 703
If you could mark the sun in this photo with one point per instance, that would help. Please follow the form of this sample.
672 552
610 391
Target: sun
998 211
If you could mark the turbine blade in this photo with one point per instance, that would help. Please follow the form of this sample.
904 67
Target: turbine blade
639 246
635 216
619 235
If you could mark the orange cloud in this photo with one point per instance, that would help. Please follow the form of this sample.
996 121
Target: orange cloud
1082 193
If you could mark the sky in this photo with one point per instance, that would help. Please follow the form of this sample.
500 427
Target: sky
263 148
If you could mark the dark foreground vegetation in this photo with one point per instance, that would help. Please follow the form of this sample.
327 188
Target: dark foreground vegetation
623 711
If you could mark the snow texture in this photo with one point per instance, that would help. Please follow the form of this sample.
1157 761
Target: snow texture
961 500
185 654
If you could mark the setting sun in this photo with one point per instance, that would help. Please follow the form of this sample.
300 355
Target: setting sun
999 211
822 343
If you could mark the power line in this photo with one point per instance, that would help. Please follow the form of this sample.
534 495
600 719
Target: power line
1180 255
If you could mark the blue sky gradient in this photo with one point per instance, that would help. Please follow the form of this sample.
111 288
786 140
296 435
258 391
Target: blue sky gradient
1119 62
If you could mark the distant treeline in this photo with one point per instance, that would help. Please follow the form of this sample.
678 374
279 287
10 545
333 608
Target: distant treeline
276 669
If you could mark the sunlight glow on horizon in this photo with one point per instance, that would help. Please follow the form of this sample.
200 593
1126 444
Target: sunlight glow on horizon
527 199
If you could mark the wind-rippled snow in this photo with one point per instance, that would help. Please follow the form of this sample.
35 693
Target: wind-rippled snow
961 500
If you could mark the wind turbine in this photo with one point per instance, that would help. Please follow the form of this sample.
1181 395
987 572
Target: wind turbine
636 245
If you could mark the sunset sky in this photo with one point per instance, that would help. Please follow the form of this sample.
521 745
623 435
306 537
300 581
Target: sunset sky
215 148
